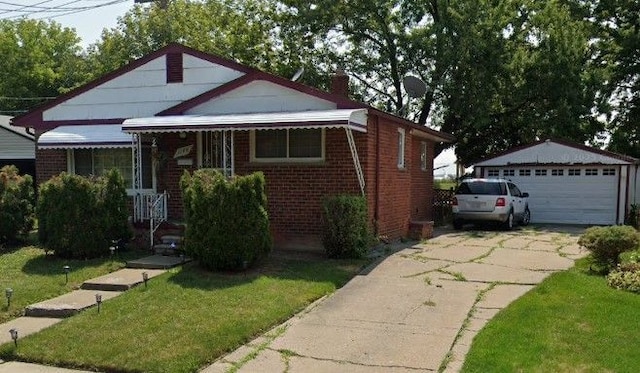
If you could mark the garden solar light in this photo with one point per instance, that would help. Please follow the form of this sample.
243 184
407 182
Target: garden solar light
14 336
8 292
145 278
66 274
98 300
173 246
113 250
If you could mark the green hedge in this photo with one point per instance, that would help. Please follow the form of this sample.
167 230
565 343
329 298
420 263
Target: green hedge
607 243
78 217
345 228
16 204
227 220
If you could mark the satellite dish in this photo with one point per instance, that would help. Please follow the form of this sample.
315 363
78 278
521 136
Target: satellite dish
298 75
414 86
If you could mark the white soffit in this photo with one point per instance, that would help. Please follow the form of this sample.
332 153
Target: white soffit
355 119
85 136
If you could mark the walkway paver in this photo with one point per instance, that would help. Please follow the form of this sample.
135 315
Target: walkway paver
25 326
416 311
16 367
121 280
68 304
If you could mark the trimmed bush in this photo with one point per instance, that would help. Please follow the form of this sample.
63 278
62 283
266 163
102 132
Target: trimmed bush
607 243
345 230
79 217
625 277
16 204
227 220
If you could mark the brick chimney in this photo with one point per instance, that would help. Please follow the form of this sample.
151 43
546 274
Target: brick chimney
340 83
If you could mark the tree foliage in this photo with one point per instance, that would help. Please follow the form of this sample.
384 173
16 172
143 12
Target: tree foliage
39 60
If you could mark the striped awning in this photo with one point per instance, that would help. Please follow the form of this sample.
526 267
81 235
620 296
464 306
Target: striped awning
355 119
85 136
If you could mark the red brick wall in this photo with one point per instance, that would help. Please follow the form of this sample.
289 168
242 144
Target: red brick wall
421 181
49 163
295 190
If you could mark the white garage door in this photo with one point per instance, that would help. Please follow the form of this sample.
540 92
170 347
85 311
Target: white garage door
567 195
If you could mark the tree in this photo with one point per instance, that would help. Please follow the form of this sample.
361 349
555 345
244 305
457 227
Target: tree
498 74
617 39
39 60
238 30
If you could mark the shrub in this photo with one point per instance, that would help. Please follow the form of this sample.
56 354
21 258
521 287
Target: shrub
16 204
607 243
227 220
345 229
625 277
78 217
633 216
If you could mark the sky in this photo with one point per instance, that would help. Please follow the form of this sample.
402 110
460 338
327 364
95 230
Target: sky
90 17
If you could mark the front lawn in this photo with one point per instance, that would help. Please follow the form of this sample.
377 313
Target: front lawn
185 319
572 322
35 277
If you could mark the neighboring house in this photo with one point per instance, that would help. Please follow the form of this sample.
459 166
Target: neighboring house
568 183
17 147
179 109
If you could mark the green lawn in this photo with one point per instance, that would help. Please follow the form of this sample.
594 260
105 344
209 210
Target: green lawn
572 322
35 277
185 319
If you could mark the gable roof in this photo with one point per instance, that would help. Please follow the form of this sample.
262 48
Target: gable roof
4 124
34 118
565 152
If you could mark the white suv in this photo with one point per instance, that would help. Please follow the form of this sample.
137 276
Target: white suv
494 200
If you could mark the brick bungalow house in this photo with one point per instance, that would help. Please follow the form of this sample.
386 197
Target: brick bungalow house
180 109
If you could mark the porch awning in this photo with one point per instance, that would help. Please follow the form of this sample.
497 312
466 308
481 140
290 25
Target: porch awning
85 136
355 119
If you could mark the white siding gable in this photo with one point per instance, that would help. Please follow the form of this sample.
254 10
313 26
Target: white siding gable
550 152
143 91
14 146
261 97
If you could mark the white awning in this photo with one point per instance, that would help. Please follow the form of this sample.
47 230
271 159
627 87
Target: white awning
355 119
85 136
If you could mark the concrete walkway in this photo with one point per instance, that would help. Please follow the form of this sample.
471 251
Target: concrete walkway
44 314
416 311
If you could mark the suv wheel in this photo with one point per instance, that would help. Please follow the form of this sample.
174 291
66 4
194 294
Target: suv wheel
457 224
508 224
526 217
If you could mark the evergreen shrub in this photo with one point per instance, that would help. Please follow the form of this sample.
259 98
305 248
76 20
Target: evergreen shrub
227 220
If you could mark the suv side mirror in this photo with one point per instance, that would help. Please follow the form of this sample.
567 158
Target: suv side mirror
525 195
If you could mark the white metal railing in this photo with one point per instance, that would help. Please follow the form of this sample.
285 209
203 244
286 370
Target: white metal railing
157 214
142 202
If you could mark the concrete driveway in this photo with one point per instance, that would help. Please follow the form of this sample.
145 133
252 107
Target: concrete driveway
415 311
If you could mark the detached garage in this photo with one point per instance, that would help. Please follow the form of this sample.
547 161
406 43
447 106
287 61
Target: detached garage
567 183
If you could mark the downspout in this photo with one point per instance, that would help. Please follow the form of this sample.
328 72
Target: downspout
618 195
376 214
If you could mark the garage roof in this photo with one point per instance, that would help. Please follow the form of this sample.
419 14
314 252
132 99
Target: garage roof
556 152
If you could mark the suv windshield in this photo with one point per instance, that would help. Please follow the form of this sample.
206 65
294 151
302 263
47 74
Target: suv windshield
482 187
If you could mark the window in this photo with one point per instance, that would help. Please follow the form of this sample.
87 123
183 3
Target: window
401 146
541 172
575 172
524 172
514 190
288 145
423 156
493 173
96 162
508 172
591 172
557 172
608 172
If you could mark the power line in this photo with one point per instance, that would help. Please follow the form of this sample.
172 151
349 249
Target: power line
51 10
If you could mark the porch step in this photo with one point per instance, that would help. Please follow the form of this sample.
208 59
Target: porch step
169 238
167 249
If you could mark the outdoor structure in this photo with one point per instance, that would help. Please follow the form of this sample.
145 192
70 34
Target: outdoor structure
179 109
568 183
17 147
